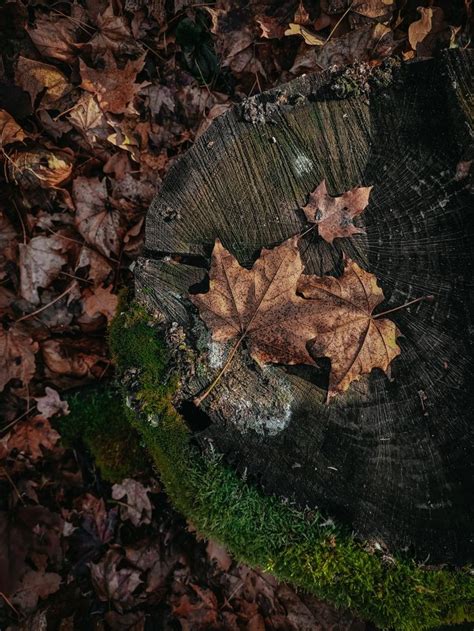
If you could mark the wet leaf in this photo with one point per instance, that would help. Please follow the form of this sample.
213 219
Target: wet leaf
334 215
348 333
54 36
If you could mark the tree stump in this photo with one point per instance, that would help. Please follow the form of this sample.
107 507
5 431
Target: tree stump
391 459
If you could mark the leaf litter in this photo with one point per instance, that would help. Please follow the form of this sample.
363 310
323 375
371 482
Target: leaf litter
97 100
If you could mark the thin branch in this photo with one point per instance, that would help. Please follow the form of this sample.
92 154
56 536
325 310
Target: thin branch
44 307
407 304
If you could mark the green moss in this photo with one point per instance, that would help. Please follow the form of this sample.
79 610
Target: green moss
293 545
98 419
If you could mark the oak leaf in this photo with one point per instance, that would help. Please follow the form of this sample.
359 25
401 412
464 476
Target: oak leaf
334 215
101 225
113 87
348 333
259 304
17 351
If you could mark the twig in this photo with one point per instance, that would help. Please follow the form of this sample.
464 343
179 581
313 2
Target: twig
44 307
337 23
407 304
18 418
13 485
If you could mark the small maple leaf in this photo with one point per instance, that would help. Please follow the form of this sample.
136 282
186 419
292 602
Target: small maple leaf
51 404
348 333
260 304
334 215
102 301
35 585
41 260
138 508
113 87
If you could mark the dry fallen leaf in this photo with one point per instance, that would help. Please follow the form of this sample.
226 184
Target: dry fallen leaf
138 508
54 36
369 43
113 35
422 33
32 435
87 117
10 131
373 8
101 300
8 243
114 87
334 215
35 585
36 77
40 167
100 224
348 334
260 304
17 351
312 39
51 404
41 260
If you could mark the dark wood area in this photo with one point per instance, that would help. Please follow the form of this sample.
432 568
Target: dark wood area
392 458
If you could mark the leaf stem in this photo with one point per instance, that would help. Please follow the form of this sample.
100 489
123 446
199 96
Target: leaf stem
199 399
407 304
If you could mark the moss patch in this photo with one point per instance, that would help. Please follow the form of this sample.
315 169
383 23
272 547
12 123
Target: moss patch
98 419
293 545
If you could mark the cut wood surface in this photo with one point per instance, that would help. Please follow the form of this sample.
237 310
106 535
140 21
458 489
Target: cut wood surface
391 457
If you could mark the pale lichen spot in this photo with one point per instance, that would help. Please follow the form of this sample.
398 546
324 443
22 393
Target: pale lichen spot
302 165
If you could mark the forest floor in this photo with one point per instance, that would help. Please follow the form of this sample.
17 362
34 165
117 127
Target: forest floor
97 99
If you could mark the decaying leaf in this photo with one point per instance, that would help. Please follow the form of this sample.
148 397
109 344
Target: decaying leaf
36 77
112 584
348 334
114 88
10 131
138 508
8 243
371 42
260 304
40 167
17 351
334 215
41 261
87 117
422 33
32 436
100 224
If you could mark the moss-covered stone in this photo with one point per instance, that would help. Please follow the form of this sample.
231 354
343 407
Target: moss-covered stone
296 546
98 419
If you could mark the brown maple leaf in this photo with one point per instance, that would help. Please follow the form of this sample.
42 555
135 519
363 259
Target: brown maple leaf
17 351
54 36
100 300
115 88
348 333
138 508
32 436
334 215
101 225
259 304
112 584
